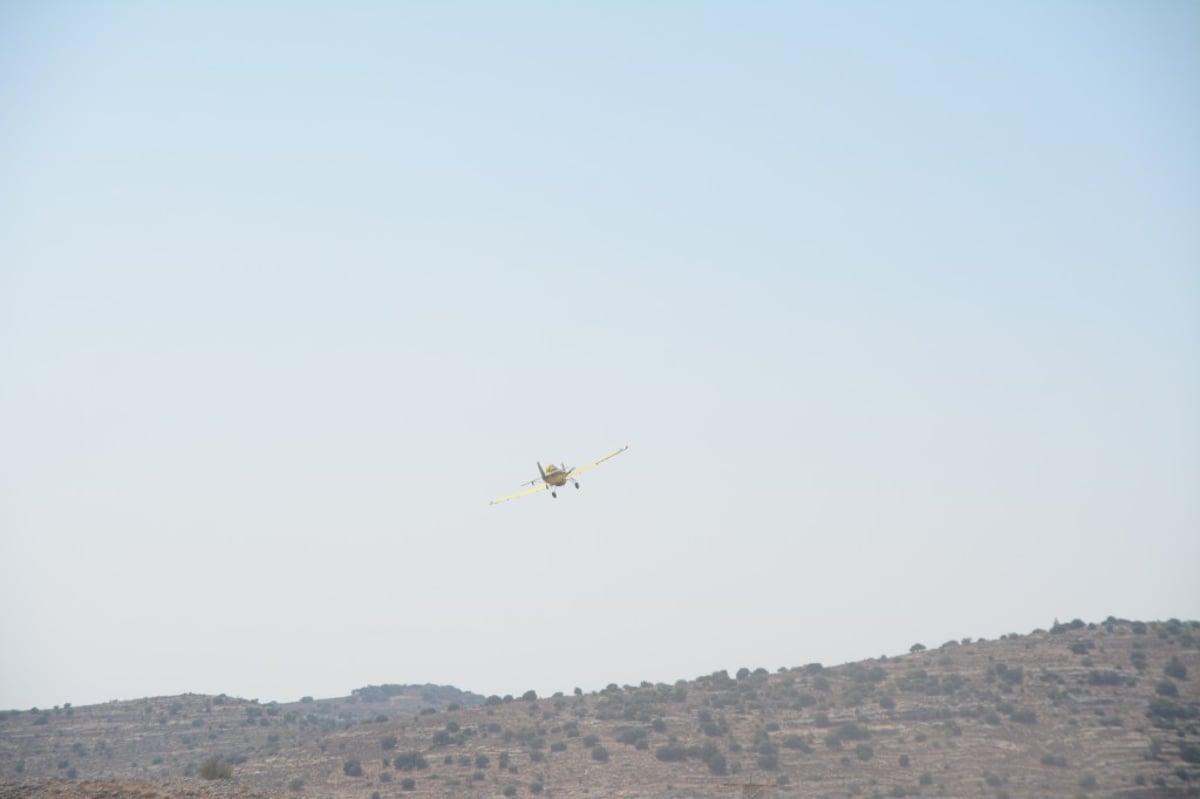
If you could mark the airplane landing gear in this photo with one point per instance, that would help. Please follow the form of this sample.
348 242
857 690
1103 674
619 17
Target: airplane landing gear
554 494
577 485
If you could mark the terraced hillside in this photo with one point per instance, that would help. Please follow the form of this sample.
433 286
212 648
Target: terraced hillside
1100 710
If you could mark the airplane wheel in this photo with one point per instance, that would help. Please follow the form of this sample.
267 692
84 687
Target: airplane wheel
554 494
577 485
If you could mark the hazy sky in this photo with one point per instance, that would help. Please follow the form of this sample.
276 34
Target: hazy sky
896 304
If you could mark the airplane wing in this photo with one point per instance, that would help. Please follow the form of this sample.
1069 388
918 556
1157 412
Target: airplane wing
539 487
596 463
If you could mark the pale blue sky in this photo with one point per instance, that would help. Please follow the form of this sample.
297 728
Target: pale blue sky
898 307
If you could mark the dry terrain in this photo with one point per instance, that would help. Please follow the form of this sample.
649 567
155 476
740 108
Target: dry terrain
1110 709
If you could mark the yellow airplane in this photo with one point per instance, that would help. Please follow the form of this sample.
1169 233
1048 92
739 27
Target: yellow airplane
556 477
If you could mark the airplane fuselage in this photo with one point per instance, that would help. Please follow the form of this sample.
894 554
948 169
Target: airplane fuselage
555 476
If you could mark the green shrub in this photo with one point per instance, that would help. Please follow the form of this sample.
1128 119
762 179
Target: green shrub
794 741
1176 669
409 761
599 753
671 753
1163 711
1013 676
1104 678
853 732
353 767
631 736
1024 716
215 769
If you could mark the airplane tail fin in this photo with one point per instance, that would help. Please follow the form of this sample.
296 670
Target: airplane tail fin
543 471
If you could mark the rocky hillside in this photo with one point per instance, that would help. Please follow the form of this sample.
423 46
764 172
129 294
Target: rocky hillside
1097 710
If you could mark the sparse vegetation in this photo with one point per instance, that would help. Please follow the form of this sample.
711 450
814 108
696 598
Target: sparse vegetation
901 726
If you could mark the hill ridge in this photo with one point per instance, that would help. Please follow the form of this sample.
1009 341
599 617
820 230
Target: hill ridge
1109 709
